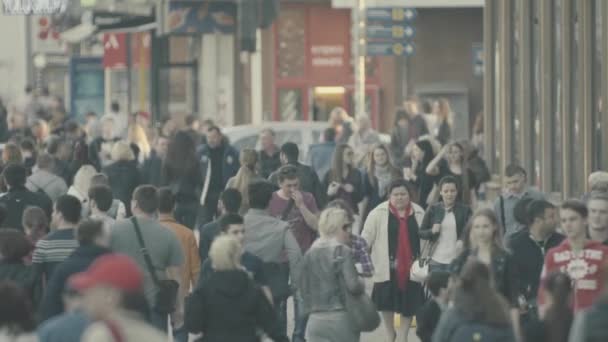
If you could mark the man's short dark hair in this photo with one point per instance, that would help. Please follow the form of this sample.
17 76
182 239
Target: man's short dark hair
291 152
102 195
15 175
69 207
287 172
513 170
100 179
260 194
427 106
190 119
536 209
214 128
577 206
89 230
166 200
520 211
231 199
229 219
329 134
115 106
146 198
436 281
14 245
448 180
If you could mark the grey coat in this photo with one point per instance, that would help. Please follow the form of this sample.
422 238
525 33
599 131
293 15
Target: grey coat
319 274
51 184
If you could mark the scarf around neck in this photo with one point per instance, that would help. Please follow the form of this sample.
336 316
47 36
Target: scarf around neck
404 249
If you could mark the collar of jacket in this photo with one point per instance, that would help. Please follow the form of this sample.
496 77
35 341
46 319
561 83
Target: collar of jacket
90 250
166 218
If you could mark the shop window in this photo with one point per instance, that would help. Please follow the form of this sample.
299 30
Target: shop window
290 104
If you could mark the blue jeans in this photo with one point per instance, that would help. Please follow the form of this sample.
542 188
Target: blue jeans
281 310
158 321
300 320
180 335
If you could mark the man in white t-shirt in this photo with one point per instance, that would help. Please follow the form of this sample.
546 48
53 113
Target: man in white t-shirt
121 120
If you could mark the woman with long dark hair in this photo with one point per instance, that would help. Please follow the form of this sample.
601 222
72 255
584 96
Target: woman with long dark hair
558 317
483 242
379 174
182 173
344 180
452 161
422 155
478 309
400 137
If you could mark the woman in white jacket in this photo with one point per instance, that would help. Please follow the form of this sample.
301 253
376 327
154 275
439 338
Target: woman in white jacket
391 231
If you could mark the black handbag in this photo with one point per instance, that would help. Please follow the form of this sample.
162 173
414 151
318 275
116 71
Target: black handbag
166 298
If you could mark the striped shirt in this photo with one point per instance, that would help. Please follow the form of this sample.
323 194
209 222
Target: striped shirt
53 249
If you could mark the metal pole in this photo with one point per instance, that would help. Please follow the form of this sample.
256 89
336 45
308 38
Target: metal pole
567 95
360 59
489 43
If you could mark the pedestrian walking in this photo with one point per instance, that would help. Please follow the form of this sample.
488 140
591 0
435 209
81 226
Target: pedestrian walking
246 175
380 172
391 231
558 317
444 226
229 306
322 295
344 180
422 155
17 322
478 313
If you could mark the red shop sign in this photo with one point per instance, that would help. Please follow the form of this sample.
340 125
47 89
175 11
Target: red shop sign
329 44
114 50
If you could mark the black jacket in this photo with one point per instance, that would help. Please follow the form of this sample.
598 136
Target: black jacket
25 276
427 319
151 170
230 307
269 164
16 200
529 259
124 178
436 213
506 277
79 261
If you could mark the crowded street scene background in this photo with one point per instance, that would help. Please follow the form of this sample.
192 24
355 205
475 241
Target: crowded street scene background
116 230
304 171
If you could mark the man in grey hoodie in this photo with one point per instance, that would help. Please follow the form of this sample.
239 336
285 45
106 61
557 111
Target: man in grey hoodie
268 238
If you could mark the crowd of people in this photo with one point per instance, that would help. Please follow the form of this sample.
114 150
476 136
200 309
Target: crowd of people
112 230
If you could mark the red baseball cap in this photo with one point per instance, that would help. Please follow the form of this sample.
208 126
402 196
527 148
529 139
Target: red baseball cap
114 270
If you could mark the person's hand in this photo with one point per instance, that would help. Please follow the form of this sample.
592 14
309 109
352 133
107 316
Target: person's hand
436 228
298 199
348 188
333 188
407 173
459 246
177 319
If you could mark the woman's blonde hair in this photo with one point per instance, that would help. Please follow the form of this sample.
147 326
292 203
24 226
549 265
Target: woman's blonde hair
225 253
122 151
332 221
137 135
82 179
248 160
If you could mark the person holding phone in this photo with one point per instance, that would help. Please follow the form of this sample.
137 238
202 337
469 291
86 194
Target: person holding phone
299 209
344 180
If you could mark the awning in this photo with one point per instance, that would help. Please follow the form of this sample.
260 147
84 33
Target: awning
78 33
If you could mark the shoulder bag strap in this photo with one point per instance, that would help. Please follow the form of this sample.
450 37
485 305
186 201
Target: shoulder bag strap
502 213
144 250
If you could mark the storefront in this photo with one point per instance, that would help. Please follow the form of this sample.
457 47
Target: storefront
313 72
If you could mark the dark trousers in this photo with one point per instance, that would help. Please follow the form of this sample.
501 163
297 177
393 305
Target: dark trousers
209 210
186 213
280 307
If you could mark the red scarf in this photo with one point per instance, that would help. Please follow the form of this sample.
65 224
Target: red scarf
404 250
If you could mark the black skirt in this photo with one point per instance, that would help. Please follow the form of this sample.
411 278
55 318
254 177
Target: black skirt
389 297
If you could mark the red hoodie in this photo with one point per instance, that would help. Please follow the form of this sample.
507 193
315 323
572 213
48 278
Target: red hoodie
584 268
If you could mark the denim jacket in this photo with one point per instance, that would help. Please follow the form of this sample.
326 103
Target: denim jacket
319 272
435 215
